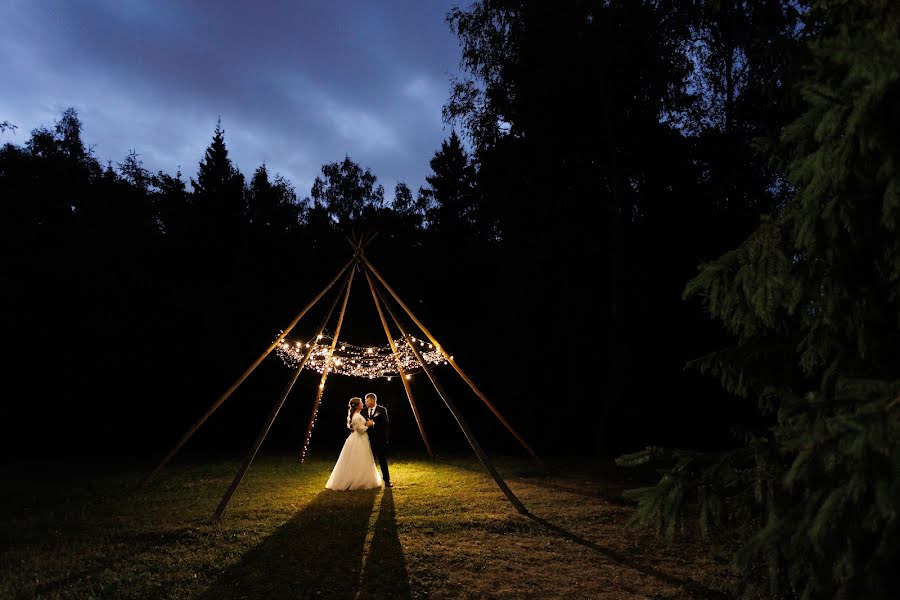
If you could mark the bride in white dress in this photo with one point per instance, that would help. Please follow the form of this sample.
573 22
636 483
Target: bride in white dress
355 467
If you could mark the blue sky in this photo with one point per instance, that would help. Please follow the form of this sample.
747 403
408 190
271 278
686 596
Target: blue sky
296 83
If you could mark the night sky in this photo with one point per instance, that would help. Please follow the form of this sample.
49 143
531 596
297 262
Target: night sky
296 84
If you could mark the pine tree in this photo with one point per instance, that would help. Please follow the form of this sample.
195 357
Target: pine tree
812 298
451 199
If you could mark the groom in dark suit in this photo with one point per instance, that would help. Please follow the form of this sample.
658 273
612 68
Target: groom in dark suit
379 429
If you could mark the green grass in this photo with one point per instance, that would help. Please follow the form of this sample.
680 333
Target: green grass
444 531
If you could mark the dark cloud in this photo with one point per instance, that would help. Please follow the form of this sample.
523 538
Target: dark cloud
296 84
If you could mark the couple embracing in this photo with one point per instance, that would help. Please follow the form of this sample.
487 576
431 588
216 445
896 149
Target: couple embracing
369 427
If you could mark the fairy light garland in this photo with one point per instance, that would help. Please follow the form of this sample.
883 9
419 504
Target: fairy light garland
369 362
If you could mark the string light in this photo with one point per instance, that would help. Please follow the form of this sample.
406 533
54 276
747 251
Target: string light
357 361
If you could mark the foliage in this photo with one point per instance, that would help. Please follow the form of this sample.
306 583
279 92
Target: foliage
219 188
347 193
272 204
812 299
451 199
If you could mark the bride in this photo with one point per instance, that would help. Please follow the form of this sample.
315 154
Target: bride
355 467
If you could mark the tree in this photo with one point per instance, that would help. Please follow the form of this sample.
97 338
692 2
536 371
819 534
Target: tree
748 57
410 211
68 134
811 299
564 105
134 172
451 200
272 205
59 170
219 188
347 192
172 203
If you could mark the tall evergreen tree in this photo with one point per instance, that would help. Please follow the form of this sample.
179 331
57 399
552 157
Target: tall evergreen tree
219 187
452 205
812 298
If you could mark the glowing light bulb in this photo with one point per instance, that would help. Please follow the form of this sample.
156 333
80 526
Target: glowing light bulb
408 376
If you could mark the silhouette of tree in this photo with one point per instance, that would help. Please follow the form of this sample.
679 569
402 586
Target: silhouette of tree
409 210
219 188
172 202
118 207
348 193
565 109
133 171
61 170
272 205
451 200
68 134
747 58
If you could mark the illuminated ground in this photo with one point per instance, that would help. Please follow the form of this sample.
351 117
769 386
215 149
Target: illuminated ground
444 531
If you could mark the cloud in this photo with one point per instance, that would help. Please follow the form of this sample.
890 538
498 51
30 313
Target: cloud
295 84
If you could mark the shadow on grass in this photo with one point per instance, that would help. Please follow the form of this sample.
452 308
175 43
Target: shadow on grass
697 590
607 484
321 552
609 493
385 574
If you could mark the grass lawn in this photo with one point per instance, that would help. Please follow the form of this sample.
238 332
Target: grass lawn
444 531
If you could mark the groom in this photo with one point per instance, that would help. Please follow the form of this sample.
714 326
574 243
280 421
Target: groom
379 427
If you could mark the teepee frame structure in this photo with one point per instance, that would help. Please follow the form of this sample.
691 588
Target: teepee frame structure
357 263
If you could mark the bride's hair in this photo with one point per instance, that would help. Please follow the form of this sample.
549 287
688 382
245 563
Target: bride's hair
355 402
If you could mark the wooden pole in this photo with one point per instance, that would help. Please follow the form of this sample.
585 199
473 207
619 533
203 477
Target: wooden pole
190 432
275 409
359 244
450 360
321 390
409 395
470 437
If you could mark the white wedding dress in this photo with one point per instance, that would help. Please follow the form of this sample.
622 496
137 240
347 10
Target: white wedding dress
355 467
